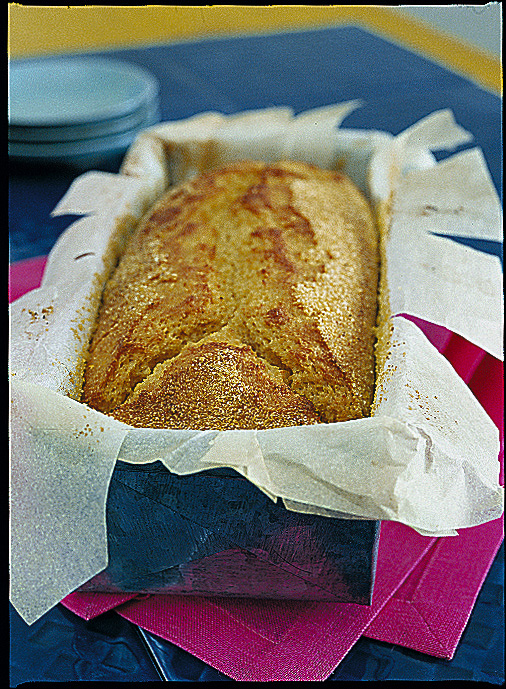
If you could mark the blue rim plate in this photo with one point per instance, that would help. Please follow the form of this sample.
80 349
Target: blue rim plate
64 133
81 149
69 91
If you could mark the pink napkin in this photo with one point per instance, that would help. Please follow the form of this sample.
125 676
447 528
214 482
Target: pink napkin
25 276
265 640
424 593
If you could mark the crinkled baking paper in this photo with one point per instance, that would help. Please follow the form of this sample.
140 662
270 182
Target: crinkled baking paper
427 457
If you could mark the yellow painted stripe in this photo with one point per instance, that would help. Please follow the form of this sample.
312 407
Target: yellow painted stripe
420 37
38 30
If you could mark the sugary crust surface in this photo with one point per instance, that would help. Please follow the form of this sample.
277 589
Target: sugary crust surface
246 298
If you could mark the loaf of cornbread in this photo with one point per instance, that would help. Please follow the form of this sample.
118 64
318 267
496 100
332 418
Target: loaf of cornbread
246 298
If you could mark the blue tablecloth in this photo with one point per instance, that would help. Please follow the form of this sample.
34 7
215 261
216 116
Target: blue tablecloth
300 69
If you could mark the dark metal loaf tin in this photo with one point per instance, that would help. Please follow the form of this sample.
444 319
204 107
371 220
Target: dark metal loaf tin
214 533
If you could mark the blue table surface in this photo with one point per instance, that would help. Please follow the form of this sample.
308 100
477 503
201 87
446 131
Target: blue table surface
302 70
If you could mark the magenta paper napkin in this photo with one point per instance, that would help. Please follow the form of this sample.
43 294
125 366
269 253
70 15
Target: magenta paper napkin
429 612
424 593
266 640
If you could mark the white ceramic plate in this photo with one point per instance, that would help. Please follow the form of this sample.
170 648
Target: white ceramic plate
69 91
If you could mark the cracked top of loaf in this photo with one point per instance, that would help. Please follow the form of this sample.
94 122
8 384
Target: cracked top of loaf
246 298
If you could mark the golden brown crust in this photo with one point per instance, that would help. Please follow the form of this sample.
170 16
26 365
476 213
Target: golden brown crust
271 272
217 386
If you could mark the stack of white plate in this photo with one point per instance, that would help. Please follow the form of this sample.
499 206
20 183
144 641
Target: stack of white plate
78 110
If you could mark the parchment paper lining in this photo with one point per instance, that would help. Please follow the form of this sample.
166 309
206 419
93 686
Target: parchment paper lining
427 457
